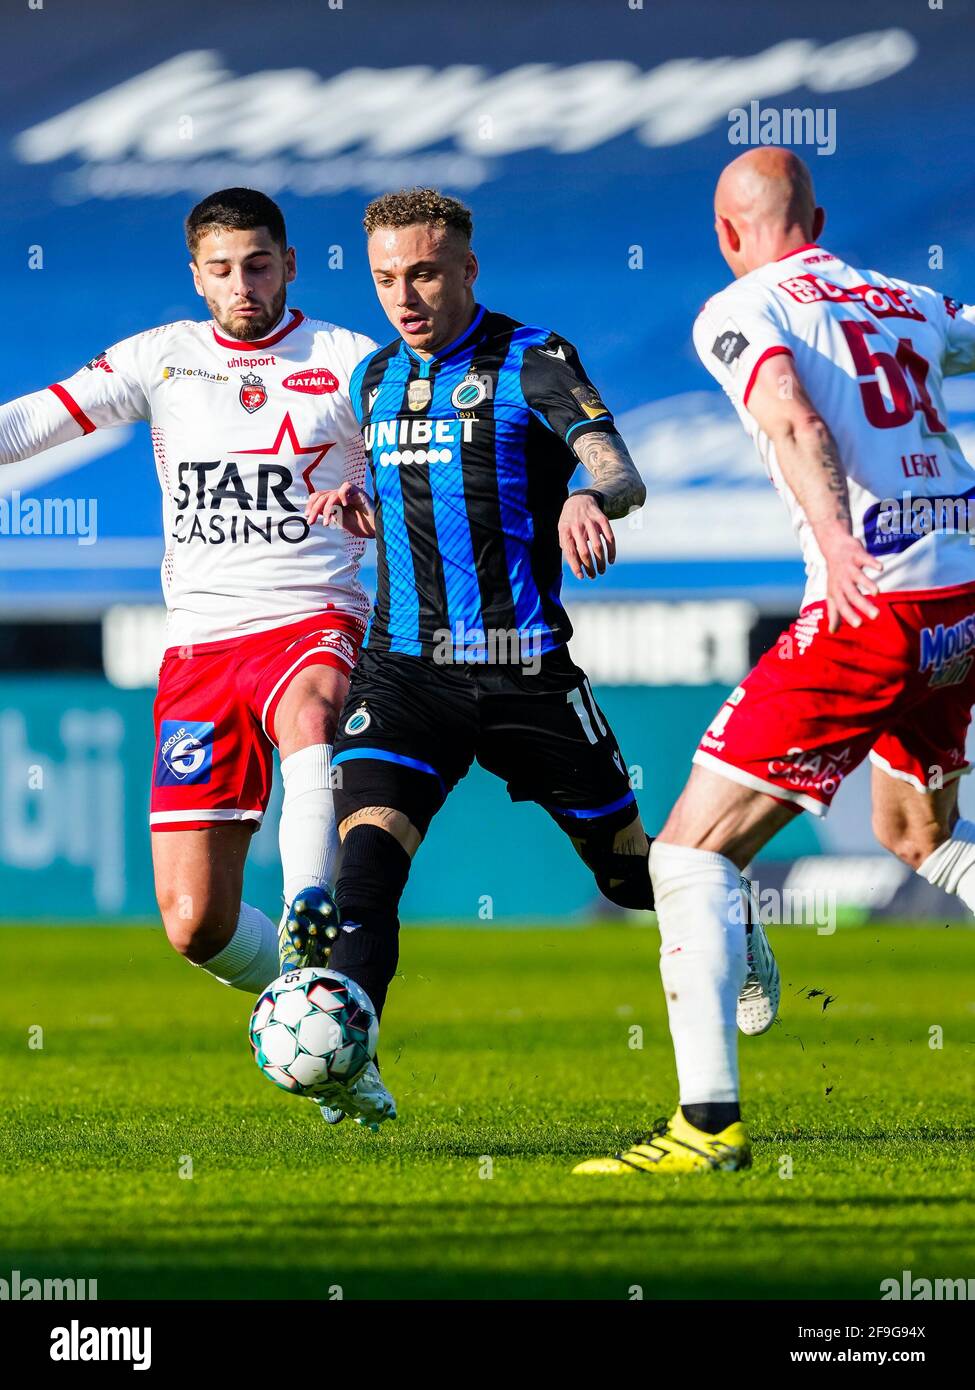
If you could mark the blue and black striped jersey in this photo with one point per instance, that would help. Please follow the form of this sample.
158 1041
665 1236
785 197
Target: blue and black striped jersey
470 459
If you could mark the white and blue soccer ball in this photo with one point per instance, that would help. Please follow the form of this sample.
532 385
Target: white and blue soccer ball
311 1028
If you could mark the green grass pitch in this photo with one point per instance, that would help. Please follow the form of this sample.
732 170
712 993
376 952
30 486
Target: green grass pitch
510 1055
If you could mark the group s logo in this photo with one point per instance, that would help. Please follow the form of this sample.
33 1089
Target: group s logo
185 752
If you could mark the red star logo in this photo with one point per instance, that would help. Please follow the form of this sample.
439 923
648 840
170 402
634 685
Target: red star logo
288 429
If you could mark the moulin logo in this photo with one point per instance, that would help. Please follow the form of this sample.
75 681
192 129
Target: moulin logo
947 651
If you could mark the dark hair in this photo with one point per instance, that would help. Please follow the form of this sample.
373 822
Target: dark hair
239 209
418 205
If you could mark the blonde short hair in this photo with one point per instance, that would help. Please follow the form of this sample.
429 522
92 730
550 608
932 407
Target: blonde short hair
424 205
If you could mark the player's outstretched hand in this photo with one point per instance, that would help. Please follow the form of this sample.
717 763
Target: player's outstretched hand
850 577
586 536
346 506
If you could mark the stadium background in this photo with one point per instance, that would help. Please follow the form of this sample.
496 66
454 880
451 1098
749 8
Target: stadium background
587 138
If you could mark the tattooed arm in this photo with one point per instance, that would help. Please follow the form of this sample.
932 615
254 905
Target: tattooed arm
618 483
807 455
585 534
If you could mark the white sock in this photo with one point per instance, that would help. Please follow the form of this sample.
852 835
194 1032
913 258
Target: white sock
307 835
702 966
249 960
952 865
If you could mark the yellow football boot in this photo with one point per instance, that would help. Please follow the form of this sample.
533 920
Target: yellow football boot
674 1146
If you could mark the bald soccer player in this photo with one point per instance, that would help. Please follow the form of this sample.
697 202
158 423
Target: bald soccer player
836 374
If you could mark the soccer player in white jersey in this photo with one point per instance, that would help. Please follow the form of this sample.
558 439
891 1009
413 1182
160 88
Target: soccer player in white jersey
836 373
249 414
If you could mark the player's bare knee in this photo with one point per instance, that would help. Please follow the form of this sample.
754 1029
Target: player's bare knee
911 844
901 837
196 930
200 941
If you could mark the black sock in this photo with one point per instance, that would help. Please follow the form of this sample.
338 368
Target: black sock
375 867
712 1116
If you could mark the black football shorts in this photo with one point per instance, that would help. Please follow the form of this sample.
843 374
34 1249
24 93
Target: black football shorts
411 728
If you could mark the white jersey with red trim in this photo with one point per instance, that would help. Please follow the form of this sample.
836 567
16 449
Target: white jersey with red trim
872 353
242 433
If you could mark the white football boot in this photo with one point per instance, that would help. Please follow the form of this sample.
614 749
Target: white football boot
758 1001
365 1099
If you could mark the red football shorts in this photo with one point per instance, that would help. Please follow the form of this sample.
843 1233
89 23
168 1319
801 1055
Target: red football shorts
900 687
214 717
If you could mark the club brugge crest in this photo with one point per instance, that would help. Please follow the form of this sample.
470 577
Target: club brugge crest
252 392
419 393
358 722
471 392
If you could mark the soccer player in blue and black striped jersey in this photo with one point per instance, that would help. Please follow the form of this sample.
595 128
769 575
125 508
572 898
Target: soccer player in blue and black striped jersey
473 426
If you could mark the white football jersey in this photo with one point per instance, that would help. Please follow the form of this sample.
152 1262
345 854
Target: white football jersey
242 433
872 353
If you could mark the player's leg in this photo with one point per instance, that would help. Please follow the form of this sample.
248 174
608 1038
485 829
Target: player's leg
717 815
404 740
543 733
919 760
924 829
305 726
210 786
375 867
603 824
715 829
198 877
551 741
783 741
298 692
914 824
799 723
616 849
378 844
378 847
695 862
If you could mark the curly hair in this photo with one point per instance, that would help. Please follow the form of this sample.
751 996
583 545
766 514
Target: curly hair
412 205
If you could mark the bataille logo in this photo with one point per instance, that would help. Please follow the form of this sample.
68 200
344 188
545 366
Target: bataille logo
313 381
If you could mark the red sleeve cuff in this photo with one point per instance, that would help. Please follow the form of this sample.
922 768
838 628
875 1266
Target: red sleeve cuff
72 407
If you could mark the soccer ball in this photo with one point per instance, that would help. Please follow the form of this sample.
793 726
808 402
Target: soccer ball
311 1028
